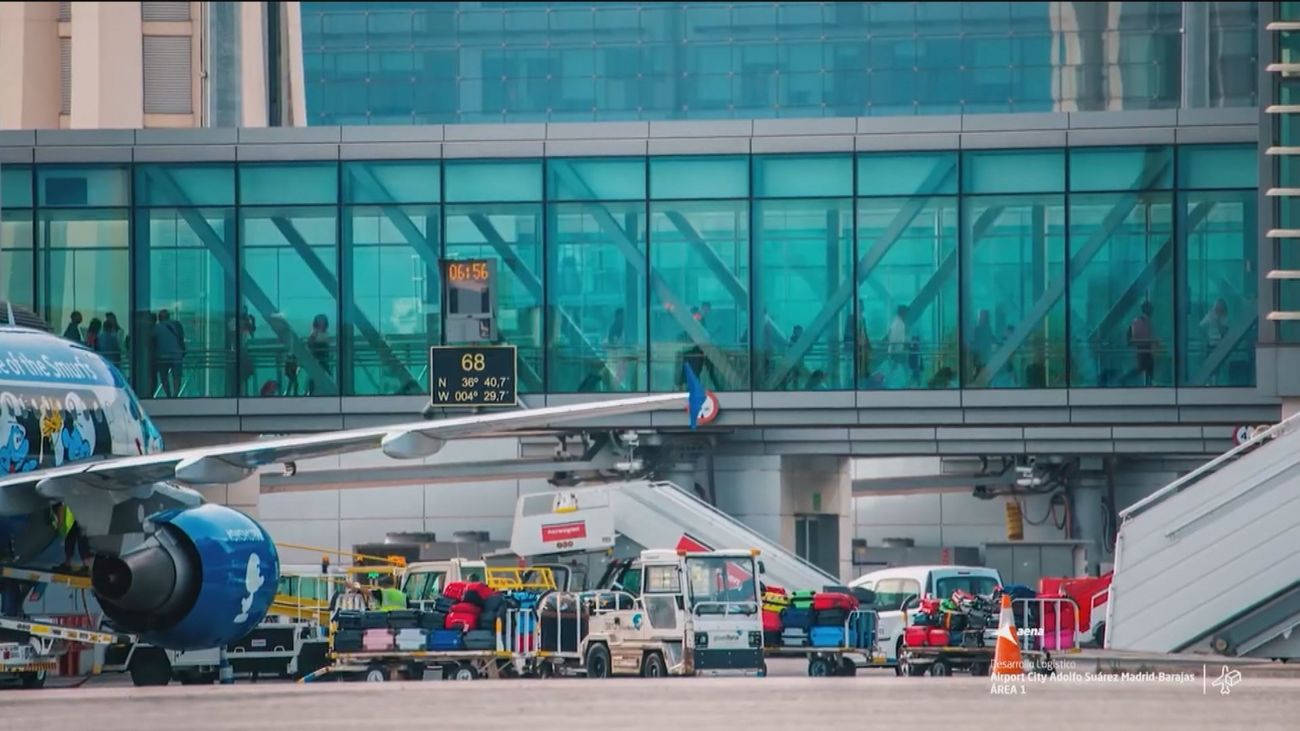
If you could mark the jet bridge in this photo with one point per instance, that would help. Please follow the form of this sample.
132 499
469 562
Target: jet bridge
1210 562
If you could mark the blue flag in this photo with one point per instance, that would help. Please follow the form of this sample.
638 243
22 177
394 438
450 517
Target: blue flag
695 397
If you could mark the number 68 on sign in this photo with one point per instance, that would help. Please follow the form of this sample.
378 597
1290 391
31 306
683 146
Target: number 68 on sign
472 375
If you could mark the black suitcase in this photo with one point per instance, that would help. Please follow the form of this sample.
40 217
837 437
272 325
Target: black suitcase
487 622
478 639
348 640
831 617
444 604
403 619
348 619
374 620
432 620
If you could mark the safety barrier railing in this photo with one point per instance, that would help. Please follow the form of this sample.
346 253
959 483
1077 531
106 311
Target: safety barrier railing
1187 480
1061 634
519 633
563 612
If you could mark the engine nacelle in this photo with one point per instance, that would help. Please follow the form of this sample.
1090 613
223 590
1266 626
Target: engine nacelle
204 578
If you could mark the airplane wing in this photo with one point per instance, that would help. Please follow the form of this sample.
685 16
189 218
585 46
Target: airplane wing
234 462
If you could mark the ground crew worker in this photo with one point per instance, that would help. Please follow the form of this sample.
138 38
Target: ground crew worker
73 537
389 597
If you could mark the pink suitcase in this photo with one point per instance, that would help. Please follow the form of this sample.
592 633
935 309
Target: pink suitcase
377 640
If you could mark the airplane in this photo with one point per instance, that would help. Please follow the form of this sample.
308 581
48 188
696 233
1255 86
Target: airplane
175 571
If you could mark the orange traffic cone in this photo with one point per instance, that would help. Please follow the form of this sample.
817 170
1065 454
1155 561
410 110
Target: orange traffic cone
1006 656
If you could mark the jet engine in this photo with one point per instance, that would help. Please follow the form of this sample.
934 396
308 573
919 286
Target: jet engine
203 578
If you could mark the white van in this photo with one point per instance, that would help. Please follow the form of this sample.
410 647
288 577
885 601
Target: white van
899 590
424 580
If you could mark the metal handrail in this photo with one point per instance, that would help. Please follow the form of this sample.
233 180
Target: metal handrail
1186 480
741 526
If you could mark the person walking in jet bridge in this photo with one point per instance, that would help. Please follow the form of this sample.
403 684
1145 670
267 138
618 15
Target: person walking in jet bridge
73 537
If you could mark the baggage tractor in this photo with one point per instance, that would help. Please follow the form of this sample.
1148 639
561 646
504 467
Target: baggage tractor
377 640
480 640
348 640
827 636
445 640
411 640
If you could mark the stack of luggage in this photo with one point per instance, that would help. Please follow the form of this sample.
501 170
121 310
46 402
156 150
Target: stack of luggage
464 617
814 619
775 601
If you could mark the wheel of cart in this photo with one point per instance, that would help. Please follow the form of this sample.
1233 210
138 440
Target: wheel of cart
909 667
819 666
941 667
377 672
32 680
979 669
460 671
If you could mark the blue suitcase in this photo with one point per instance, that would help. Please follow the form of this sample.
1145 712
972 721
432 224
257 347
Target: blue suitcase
827 636
444 640
796 618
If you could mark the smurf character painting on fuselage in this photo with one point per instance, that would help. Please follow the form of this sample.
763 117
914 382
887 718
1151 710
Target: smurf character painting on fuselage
179 573
62 405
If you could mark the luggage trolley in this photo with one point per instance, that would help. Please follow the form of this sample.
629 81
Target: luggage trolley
1056 630
515 654
857 650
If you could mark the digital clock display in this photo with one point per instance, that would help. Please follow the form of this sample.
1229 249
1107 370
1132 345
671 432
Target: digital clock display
468 271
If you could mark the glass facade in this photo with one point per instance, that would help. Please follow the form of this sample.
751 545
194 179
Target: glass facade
477 62
985 269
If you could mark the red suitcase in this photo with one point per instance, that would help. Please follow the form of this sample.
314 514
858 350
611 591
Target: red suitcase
916 636
771 622
937 637
830 600
455 590
463 621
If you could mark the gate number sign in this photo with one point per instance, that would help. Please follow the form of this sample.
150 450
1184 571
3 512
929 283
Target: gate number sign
473 375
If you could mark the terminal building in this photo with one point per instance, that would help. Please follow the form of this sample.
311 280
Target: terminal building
932 258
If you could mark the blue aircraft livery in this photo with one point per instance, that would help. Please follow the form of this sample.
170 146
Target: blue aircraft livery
202 577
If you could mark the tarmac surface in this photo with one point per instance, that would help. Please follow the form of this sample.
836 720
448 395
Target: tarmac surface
786 701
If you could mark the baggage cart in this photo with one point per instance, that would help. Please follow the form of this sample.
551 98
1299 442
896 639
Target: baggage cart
947 660
836 661
516 655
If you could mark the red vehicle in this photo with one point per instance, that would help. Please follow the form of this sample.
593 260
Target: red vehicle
1090 593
